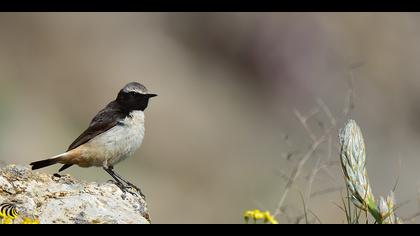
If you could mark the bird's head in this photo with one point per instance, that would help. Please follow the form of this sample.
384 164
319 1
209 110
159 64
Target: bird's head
134 96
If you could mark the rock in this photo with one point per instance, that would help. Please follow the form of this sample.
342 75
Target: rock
66 200
2 163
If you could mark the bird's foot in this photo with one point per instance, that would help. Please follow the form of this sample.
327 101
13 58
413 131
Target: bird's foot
137 189
120 186
128 188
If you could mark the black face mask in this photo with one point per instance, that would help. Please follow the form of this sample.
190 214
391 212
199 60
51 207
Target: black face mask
132 101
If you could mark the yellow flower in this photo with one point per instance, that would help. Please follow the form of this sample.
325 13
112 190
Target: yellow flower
30 221
269 218
258 215
248 215
7 220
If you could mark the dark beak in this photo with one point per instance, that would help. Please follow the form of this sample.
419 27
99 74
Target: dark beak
150 95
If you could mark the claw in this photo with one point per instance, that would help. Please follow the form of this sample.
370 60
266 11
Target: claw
123 184
138 190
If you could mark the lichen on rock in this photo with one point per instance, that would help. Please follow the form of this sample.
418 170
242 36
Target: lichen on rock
68 201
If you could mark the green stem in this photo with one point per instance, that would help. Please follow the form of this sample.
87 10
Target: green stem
374 211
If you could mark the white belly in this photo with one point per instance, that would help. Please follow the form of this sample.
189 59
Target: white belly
119 142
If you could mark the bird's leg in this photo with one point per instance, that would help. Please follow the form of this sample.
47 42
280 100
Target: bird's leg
114 175
117 181
120 180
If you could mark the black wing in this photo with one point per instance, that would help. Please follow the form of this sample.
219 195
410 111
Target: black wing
103 121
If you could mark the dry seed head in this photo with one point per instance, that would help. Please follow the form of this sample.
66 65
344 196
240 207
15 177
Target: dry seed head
386 210
353 161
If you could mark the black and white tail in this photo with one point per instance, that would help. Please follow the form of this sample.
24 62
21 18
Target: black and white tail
47 162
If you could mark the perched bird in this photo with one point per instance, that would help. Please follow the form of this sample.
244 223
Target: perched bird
113 135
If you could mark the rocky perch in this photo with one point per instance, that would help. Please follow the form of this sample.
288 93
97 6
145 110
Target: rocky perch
65 200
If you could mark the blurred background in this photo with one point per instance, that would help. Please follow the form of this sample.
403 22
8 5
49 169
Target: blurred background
223 132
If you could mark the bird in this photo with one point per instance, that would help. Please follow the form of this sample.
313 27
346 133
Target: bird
113 135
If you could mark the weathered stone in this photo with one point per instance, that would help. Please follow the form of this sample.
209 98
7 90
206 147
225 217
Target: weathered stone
67 200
